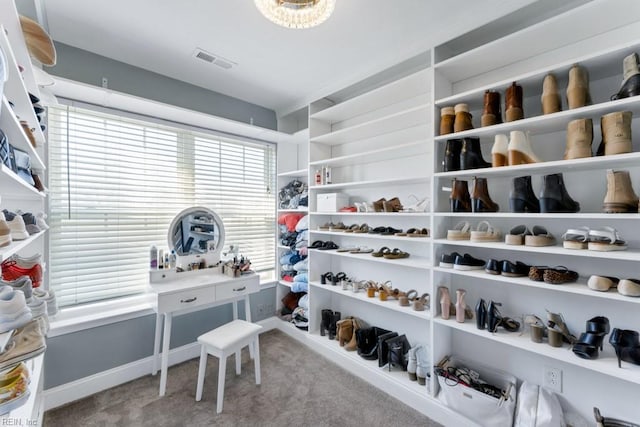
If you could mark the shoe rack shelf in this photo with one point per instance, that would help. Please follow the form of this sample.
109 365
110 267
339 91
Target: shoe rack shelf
372 236
294 174
373 214
626 255
15 186
390 304
285 283
301 210
533 216
606 364
17 245
411 262
373 183
372 156
579 288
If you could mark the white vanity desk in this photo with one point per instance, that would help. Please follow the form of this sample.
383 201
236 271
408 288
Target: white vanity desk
180 293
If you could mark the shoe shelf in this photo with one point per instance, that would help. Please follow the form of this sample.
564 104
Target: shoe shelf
539 216
373 236
374 214
378 155
30 410
390 304
414 116
17 245
606 364
285 283
391 93
12 184
372 183
301 210
16 136
412 261
509 49
626 255
616 161
293 174
579 288
15 89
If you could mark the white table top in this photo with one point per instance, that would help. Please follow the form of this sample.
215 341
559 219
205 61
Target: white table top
202 278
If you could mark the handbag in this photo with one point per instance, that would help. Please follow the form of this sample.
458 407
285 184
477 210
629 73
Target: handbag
367 341
491 403
383 348
22 165
398 347
538 407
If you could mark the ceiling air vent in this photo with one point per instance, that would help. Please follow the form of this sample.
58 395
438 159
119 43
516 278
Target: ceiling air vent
213 59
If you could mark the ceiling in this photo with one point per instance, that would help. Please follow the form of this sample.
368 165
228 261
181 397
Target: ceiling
276 68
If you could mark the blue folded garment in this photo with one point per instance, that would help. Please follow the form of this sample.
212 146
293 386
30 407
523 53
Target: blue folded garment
290 257
299 287
301 277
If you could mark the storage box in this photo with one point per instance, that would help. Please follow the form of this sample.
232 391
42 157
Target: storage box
331 202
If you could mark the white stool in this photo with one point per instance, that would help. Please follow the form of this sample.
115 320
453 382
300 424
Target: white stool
222 342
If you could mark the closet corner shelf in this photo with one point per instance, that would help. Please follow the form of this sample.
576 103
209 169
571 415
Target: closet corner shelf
285 283
378 155
372 236
578 288
412 261
626 255
294 174
17 185
372 183
374 214
606 364
585 164
540 216
390 304
18 245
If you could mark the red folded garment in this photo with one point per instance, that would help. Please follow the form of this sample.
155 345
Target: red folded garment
290 220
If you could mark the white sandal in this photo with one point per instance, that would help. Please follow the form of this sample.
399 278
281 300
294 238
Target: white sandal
606 239
576 238
460 231
420 205
486 233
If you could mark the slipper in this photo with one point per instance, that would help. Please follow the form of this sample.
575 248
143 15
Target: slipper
539 237
419 233
576 238
383 250
460 231
606 239
517 234
328 246
396 254
485 233
361 250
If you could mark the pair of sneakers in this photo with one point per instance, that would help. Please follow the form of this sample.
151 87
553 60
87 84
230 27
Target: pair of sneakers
14 312
20 225
16 266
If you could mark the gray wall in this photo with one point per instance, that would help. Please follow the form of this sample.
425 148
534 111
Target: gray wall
86 67
80 354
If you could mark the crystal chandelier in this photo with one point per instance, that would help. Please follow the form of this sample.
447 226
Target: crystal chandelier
296 13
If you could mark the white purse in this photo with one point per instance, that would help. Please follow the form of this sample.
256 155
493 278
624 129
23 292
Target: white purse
538 407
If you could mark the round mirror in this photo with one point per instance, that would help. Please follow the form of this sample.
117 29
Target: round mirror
197 231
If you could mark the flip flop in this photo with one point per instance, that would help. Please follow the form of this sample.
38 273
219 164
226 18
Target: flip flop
383 250
396 254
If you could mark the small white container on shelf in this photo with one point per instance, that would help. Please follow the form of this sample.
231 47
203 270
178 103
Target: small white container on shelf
331 202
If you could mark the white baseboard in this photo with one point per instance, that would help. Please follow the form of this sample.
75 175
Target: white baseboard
79 389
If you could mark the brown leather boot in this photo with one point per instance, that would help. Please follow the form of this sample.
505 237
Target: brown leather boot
550 98
392 205
447 117
513 103
620 197
463 118
460 201
578 87
492 115
480 199
579 139
616 133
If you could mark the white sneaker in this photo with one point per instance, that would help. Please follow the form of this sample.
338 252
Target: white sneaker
5 232
23 284
40 221
16 225
12 310
50 297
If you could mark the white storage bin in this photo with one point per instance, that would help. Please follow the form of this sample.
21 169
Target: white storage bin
331 202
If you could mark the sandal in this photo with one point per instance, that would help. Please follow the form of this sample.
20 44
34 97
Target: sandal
539 237
606 239
328 246
396 254
326 226
327 277
409 231
392 205
361 250
364 228
383 250
338 227
517 235
460 231
485 233
576 238
421 205
371 287
316 245
557 330
537 329
419 233
384 290
420 303
347 249
408 298
352 228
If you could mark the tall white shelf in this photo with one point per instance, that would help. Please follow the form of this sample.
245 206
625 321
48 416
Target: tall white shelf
14 192
385 143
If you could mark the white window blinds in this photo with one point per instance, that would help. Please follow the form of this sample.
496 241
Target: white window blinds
115 184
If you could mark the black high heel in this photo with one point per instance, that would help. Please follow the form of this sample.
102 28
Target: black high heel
481 314
627 345
590 341
326 276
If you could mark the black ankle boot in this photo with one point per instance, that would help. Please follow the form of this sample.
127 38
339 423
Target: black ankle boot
451 160
481 314
325 322
590 341
631 86
554 197
471 155
522 198
333 328
626 344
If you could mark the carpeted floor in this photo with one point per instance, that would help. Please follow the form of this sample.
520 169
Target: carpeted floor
299 388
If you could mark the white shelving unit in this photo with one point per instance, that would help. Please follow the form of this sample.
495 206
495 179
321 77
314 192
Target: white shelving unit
16 193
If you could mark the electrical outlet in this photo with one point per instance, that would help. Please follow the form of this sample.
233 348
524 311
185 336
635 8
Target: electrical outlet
261 309
553 379
105 83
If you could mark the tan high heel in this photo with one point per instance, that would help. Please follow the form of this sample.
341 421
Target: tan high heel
420 303
445 303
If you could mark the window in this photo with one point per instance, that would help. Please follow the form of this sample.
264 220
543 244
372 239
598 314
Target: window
116 183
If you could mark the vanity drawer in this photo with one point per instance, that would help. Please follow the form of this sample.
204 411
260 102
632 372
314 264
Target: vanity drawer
185 299
231 290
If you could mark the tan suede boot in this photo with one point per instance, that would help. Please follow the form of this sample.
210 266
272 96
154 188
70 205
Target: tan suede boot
578 87
579 139
491 115
620 197
463 118
550 98
616 132
447 117
513 103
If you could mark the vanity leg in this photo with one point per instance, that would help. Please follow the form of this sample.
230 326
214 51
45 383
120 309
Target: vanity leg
247 314
156 344
165 353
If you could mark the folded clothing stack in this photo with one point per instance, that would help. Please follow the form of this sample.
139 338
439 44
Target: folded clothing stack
293 195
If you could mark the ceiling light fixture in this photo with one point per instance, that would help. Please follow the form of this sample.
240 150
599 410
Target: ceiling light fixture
296 13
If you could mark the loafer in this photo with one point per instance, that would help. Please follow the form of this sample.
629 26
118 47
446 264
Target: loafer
447 260
602 283
467 262
493 266
517 269
629 287
559 275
